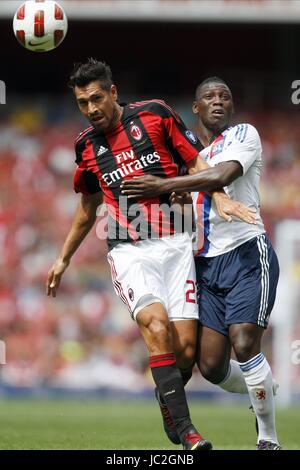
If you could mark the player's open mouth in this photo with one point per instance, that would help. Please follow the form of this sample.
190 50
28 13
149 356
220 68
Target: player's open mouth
218 112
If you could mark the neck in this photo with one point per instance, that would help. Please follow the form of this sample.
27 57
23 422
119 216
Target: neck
205 135
117 114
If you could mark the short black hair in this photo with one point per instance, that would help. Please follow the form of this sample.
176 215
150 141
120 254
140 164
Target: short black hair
91 71
209 80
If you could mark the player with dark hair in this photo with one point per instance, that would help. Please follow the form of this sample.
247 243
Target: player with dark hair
237 268
91 71
151 265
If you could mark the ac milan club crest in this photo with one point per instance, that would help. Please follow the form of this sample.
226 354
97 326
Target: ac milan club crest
131 294
135 132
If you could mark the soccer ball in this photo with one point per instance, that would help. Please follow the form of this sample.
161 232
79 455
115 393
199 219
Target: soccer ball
40 25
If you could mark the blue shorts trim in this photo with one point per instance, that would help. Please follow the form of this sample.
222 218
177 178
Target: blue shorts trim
239 286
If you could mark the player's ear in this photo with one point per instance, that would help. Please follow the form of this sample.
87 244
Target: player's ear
114 92
195 107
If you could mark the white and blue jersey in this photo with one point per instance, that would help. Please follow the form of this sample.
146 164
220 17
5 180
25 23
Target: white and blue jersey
237 268
240 143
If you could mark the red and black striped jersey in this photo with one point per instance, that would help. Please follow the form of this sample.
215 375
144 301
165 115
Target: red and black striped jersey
151 139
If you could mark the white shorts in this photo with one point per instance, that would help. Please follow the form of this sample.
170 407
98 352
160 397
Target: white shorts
156 270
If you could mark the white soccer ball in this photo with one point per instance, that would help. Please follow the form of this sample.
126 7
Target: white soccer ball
40 25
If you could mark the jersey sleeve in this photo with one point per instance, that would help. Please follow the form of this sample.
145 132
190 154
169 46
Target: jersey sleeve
85 181
179 138
245 147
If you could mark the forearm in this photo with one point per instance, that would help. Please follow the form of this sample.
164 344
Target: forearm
74 239
201 178
204 181
83 222
204 178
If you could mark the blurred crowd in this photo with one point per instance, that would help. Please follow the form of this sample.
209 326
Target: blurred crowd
84 338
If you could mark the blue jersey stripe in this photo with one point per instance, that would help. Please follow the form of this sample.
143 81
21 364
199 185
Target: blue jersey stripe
206 223
237 131
244 134
241 132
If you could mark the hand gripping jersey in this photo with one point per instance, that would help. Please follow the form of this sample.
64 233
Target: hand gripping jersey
240 143
151 139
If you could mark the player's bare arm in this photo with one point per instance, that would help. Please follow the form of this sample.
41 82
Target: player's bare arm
201 177
84 219
222 175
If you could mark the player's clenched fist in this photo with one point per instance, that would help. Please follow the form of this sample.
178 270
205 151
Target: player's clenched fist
54 276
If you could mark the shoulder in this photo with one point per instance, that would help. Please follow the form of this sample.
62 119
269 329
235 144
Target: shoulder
83 135
80 142
154 106
244 132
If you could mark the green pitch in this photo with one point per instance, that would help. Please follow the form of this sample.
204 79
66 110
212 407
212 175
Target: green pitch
103 424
